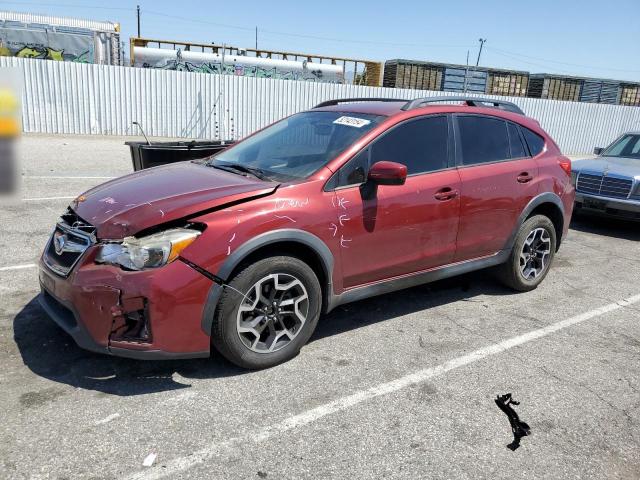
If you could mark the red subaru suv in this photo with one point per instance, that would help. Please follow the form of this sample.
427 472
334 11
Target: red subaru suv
244 250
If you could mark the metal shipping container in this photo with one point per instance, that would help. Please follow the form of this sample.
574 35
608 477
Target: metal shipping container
412 74
555 87
503 82
630 94
599 91
463 79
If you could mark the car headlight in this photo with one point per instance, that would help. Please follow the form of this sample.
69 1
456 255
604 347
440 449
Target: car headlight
574 177
147 252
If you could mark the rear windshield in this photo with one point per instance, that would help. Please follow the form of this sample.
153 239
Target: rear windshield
296 147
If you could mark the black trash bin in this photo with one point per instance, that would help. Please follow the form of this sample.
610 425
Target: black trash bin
146 155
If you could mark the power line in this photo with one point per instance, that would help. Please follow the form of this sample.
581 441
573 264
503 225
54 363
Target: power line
517 58
299 35
517 55
196 20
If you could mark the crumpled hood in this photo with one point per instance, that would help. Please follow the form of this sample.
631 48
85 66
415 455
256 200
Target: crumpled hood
628 167
147 198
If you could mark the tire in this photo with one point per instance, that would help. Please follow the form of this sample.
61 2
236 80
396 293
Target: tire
236 312
512 272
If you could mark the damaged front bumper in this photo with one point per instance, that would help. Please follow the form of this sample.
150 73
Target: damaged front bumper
151 314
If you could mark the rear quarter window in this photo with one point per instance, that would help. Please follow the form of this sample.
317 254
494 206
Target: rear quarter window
518 150
534 141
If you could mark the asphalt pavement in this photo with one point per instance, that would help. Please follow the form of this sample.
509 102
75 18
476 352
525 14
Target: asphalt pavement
398 386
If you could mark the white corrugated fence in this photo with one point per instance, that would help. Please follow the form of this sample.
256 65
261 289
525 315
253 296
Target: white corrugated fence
70 98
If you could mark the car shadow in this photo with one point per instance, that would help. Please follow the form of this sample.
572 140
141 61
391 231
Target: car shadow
51 353
607 226
403 302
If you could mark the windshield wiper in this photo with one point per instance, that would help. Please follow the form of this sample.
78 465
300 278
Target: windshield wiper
237 167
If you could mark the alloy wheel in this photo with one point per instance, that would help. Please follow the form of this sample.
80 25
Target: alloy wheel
272 313
535 254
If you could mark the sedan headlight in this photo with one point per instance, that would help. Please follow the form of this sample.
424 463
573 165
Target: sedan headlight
147 252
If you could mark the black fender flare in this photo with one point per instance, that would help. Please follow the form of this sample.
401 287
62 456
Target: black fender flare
547 197
234 259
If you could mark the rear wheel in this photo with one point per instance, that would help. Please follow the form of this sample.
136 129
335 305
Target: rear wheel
532 254
267 312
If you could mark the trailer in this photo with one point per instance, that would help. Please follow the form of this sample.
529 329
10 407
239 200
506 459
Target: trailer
45 37
251 62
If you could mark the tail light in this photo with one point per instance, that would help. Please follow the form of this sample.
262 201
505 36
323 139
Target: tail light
565 164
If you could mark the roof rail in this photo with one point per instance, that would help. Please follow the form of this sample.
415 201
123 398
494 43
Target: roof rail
469 101
330 103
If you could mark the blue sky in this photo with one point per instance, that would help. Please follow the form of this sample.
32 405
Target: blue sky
586 38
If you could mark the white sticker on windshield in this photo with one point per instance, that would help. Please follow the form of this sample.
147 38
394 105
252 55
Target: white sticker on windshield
352 122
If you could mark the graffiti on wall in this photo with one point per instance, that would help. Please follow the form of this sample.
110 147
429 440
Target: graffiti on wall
46 45
237 65
245 71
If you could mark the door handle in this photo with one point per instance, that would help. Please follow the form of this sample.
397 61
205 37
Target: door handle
446 193
524 177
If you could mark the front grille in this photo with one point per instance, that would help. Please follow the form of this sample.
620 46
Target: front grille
71 219
615 187
69 240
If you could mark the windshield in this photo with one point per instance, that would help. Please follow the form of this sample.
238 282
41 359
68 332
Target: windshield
628 147
296 147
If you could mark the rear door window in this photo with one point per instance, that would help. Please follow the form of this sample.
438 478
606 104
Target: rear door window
518 150
483 139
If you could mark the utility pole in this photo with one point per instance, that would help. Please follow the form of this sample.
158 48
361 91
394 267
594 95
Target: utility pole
256 37
138 11
482 42
466 74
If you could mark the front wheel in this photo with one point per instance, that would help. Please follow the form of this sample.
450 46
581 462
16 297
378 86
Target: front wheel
267 312
532 254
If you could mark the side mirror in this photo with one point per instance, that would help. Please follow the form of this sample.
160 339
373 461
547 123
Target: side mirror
387 173
598 150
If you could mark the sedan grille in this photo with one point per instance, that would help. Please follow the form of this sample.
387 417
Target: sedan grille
70 239
606 186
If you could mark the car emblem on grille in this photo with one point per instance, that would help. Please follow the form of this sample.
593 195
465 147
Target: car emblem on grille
59 241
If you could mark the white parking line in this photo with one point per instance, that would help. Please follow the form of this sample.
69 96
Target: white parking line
107 419
173 467
42 199
18 267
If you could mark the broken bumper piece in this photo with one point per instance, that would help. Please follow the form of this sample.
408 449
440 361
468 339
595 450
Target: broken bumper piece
154 314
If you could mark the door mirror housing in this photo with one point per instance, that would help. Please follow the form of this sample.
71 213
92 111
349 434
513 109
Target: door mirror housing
388 173
598 150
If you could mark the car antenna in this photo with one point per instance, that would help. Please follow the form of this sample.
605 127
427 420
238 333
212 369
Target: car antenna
141 130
